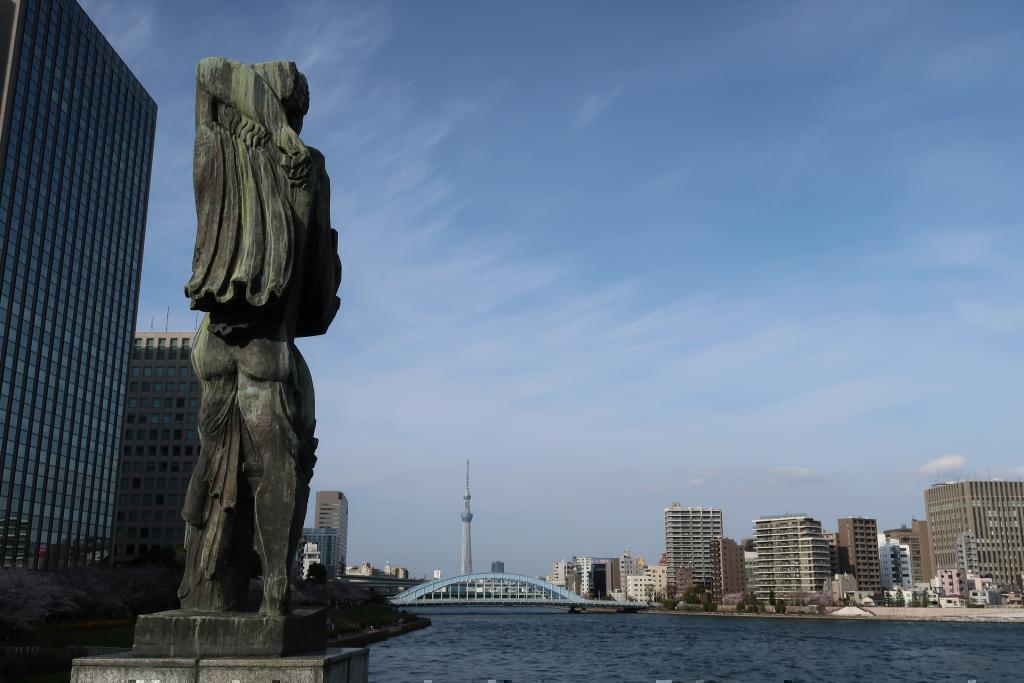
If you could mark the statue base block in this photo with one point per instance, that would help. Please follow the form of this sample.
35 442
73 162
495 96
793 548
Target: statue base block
341 665
183 633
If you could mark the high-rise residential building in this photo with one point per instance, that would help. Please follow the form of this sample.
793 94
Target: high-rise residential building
918 538
467 519
792 556
497 567
331 512
993 511
328 544
857 541
894 562
689 533
76 144
727 558
160 445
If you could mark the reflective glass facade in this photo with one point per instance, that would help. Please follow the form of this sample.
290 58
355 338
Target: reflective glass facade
75 153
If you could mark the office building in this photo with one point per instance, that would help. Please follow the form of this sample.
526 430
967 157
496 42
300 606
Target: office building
689 533
792 556
918 538
160 445
857 542
331 512
497 567
76 144
727 561
328 544
991 510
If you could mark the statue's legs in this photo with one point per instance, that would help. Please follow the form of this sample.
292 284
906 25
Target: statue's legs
219 505
271 403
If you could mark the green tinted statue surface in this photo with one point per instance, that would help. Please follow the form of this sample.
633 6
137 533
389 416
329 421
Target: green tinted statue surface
265 270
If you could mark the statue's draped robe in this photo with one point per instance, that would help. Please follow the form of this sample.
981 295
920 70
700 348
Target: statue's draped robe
243 266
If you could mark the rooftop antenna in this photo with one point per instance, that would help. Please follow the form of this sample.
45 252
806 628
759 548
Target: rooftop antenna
167 319
152 321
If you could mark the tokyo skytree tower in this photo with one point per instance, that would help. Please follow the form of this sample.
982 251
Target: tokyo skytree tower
467 517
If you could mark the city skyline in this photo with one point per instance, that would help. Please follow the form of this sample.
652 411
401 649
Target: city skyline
784 287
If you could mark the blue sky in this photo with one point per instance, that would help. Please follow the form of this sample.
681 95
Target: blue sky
760 256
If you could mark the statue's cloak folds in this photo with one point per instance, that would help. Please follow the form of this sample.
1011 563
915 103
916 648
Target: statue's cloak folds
246 233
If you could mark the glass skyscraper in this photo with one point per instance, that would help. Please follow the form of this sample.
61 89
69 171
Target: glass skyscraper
75 153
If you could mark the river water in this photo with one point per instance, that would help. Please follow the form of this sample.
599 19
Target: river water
528 646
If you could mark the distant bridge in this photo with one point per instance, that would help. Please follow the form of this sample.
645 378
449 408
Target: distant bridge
502 590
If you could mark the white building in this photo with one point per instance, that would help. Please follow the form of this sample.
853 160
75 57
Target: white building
308 556
640 587
559 571
659 574
894 564
585 570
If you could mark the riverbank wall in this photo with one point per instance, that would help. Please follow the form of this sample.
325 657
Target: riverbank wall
364 638
963 614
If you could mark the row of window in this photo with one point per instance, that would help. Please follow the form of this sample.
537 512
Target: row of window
149 483
161 354
160 371
146 387
169 533
148 515
161 418
159 434
151 466
157 402
162 342
164 451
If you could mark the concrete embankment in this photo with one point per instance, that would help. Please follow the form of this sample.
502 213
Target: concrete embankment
990 615
364 638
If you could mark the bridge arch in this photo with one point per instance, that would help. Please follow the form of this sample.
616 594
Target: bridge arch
491 588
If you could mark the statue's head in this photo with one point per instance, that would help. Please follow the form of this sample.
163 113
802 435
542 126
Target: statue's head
291 88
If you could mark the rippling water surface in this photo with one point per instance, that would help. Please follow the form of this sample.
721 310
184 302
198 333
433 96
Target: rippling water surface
525 646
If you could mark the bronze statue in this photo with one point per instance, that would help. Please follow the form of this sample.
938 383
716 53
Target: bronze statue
265 270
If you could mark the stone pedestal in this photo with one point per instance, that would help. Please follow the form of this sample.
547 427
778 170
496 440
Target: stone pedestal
182 633
342 665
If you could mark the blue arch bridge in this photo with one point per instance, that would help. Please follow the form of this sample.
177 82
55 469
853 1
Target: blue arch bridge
502 590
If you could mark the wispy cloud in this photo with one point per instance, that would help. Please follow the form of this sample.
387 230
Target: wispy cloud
945 463
593 106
